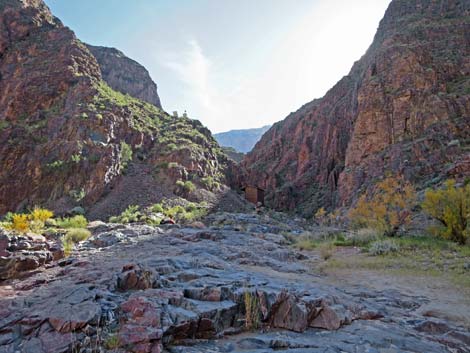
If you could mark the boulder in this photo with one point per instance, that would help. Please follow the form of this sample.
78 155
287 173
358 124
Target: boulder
135 277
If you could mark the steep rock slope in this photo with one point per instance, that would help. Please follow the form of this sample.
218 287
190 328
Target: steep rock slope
241 140
403 109
65 135
125 75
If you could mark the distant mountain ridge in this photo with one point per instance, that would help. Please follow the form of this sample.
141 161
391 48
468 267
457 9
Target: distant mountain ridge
241 140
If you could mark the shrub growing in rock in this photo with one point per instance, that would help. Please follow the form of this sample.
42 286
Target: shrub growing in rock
252 311
74 236
131 214
210 183
450 206
78 221
386 208
77 235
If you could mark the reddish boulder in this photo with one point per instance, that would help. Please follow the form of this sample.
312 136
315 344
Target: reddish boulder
136 277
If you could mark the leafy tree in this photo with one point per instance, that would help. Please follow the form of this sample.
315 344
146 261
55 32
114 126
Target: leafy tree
386 208
451 207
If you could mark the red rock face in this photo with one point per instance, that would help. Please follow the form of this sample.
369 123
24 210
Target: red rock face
62 128
403 109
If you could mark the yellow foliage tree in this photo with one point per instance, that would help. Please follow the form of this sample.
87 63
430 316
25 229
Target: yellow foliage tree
386 207
320 215
451 207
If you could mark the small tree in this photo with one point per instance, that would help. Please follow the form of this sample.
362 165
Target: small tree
387 207
320 215
451 207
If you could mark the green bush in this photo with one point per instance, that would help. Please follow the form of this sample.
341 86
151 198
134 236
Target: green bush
210 183
189 186
76 235
131 214
78 221
157 208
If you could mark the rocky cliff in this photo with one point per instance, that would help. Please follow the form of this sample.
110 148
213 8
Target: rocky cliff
403 109
125 75
66 137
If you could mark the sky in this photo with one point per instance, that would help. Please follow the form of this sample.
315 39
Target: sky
233 64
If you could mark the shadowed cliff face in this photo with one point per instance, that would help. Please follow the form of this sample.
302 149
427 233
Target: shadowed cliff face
403 109
64 131
125 75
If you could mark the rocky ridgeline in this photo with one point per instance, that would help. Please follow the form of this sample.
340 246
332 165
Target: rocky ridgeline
234 286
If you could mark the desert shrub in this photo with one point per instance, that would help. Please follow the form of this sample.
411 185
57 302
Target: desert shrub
126 155
20 223
112 342
130 215
362 237
451 207
77 235
189 186
210 183
184 187
74 236
174 211
383 247
252 310
386 208
41 214
326 250
78 221
157 208
8 217
77 195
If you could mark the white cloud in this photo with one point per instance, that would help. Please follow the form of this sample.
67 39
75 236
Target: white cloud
308 60
193 69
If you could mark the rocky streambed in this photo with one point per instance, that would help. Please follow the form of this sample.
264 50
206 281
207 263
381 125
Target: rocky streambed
233 286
